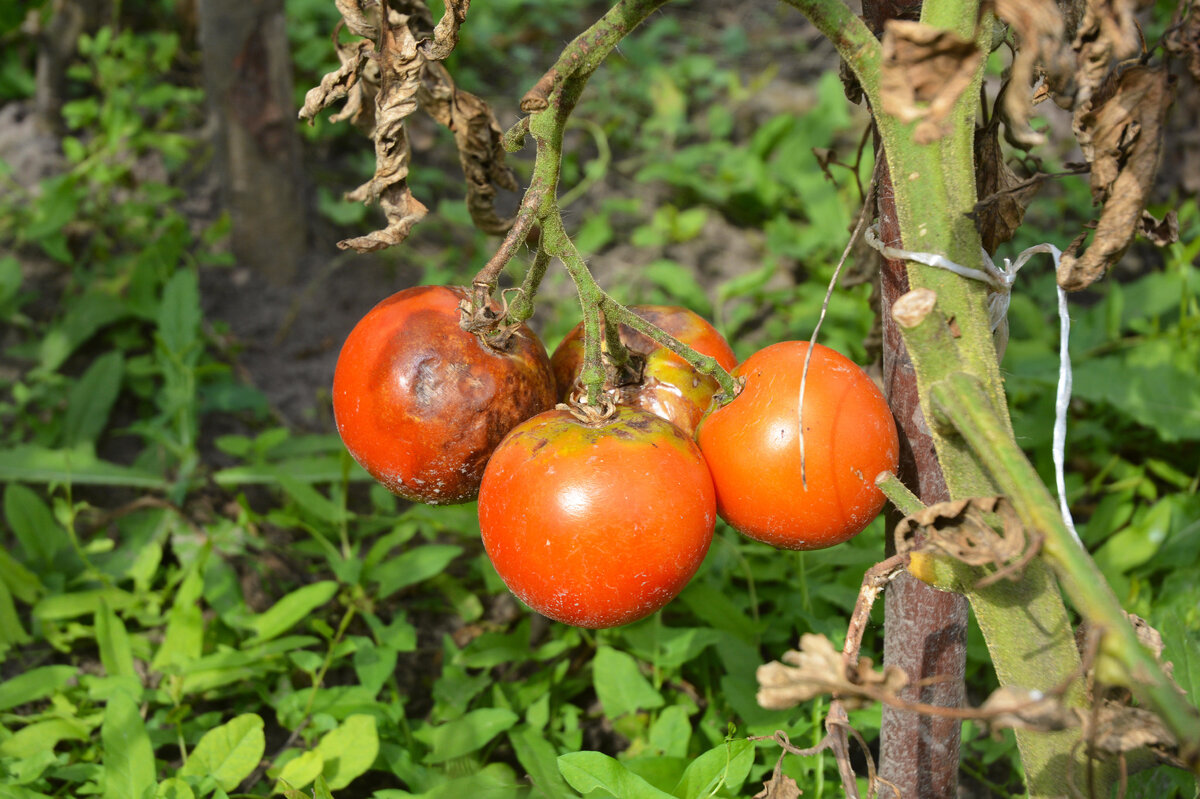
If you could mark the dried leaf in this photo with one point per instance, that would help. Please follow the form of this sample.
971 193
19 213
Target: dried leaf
1108 30
1116 728
1160 233
924 70
445 35
817 668
1184 41
478 137
1021 709
1005 196
779 786
1119 131
964 530
400 66
339 83
1039 26
358 20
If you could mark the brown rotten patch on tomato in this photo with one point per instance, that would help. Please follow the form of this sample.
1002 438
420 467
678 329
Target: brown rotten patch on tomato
421 403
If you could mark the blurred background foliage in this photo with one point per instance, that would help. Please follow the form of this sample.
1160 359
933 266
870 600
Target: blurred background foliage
201 594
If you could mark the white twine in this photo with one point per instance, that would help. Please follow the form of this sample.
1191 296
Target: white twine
1000 280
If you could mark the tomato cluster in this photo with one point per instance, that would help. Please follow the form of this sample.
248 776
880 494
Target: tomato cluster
599 517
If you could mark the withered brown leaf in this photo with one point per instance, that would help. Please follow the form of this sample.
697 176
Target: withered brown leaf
1116 728
1160 232
779 786
924 70
818 668
340 83
1040 28
1119 130
1021 709
1004 196
1108 31
400 67
1184 40
964 530
478 137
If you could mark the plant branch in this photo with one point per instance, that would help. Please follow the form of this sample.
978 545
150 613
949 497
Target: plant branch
1121 660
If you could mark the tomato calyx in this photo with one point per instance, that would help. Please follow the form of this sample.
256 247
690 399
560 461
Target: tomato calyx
480 316
721 398
590 415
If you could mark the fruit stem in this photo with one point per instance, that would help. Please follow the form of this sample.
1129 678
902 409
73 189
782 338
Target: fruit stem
905 501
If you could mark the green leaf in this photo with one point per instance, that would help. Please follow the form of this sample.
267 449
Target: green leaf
619 683
179 313
85 316
540 759
465 734
590 771
90 400
23 584
313 501
348 750
228 753
183 641
34 464
113 641
40 535
287 612
128 756
42 736
301 770
12 632
411 567
672 731
35 684
1157 385
725 765
82 603
174 788
374 664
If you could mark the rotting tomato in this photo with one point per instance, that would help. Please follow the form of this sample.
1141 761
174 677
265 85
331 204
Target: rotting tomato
661 382
596 524
753 448
421 403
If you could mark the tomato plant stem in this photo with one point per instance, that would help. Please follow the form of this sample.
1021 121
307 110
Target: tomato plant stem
1122 660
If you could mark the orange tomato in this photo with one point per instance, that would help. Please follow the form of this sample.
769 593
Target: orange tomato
596 525
421 403
669 387
753 449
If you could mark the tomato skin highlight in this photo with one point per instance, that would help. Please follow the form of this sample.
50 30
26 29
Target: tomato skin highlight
670 387
596 526
753 449
421 403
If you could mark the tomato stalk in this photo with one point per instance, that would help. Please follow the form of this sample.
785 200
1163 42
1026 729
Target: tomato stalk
961 394
550 103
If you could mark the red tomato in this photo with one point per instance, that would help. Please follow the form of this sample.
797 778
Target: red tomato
753 449
669 386
596 525
421 403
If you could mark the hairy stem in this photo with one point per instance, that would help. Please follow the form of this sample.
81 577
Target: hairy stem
1122 660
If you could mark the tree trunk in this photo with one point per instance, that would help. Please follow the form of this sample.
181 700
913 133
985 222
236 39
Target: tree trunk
925 630
247 74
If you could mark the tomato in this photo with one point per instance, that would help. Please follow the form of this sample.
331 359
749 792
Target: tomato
596 525
421 403
753 449
668 387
